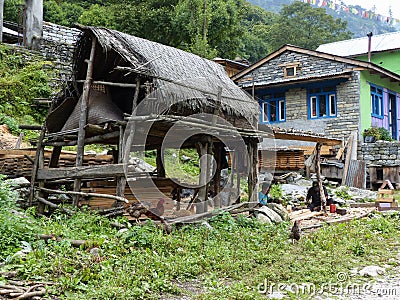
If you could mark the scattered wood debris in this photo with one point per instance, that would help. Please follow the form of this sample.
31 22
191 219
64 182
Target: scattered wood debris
15 289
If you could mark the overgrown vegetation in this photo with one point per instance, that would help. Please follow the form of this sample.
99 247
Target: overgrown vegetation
228 261
22 80
276 191
343 193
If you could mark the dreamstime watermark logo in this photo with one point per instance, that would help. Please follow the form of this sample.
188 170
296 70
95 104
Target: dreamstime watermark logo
177 116
339 287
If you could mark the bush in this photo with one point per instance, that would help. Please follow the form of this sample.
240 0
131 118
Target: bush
379 133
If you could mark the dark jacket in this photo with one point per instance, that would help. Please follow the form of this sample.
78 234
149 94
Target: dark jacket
315 196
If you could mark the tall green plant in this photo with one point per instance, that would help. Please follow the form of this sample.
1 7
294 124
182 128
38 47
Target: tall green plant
21 81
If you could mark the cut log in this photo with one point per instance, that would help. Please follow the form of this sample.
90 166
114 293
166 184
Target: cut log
53 205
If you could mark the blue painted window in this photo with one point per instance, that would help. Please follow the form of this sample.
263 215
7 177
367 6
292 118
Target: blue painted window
322 102
377 101
273 108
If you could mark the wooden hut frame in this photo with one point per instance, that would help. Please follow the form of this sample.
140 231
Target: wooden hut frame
132 70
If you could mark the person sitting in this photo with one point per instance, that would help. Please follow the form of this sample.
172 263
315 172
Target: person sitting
263 197
314 195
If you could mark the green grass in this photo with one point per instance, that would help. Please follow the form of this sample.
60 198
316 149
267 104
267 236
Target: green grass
175 166
227 262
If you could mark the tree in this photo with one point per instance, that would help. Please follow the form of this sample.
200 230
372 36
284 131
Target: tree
98 15
256 24
302 25
13 10
62 13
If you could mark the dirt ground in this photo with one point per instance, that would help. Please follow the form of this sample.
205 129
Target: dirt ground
7 139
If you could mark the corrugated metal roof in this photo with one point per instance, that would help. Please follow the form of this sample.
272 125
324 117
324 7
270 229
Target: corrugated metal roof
353 47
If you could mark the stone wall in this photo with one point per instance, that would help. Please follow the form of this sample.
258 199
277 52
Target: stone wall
272 71
381 153
341 126
58 46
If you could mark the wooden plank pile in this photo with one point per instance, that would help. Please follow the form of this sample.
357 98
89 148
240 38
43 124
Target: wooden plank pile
292 159
17 163
310 220
143 192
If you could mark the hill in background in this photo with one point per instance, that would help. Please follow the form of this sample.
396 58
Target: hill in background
359 26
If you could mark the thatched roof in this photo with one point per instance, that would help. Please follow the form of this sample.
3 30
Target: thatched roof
175 75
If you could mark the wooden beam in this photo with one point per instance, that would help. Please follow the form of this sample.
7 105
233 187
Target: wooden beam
99 171
94 139
29 127
117 198
117 84
83 117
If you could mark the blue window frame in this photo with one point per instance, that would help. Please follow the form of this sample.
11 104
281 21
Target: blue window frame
322 102
273 108
377 101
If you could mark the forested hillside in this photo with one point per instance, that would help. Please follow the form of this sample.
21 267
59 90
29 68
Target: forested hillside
228 29
357 25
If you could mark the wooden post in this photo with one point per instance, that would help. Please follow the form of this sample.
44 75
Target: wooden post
159 162
39 149
347 160
131 126
232 176
55 156
202 206
250 179
318 171
252 175
238 179
217 177
121 180
83 118
41 205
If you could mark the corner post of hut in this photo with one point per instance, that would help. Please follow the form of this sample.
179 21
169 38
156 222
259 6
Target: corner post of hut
318 171
83 117
252 175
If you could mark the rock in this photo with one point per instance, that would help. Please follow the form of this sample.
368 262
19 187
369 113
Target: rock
95 251
272 215
207 225
280 210
372 271
264 219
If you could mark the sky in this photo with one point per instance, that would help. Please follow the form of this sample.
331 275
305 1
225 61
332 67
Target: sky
382 6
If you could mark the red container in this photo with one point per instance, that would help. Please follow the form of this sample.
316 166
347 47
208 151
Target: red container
332 208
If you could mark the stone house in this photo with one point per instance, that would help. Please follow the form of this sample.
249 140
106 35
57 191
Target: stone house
322 92
384 52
